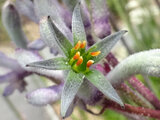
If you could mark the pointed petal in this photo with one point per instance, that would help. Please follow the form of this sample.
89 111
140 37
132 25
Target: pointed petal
106 45
25 57
97 79
72 84
53 37
45 96
70 109
12 23
53 10
58 63
77 25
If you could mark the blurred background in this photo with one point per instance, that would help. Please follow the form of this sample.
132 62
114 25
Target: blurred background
140 17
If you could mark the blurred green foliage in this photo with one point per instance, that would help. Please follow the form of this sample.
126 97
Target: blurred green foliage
3 34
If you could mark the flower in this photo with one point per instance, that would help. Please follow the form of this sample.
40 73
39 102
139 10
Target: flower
78 59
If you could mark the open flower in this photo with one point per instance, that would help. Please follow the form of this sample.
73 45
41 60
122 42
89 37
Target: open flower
77 60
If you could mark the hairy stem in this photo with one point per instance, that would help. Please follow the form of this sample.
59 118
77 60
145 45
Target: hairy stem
137 85
132 109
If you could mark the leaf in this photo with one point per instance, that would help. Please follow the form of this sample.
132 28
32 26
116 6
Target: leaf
77 25
105 45
98 79
71 87
58 63
12 24
53 37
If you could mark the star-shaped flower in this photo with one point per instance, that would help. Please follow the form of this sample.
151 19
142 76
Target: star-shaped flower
78 59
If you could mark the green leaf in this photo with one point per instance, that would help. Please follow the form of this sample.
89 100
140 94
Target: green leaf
71 87
98 79
105 45
52 36
77 25
58 63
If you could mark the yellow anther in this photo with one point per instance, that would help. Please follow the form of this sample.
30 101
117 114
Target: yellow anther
83 44
80 61
95 53
77 46
76 56
89 63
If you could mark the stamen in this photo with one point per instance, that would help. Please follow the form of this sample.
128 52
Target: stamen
80 61
83 44
89 63
76 56
95 53
77 46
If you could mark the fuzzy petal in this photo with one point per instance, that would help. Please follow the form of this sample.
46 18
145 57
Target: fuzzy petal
77 25
58 63
11 22
146 62
44 96
54 37
54 12
71 86
25 57
106 45
97 79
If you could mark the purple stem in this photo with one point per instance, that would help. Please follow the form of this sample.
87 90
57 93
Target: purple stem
145 92
138 85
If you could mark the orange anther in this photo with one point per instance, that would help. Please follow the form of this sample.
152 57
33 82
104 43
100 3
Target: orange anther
95 53
77 46
80 61
76 56
83 44
89 63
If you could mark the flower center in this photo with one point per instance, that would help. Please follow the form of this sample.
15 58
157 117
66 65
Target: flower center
80 60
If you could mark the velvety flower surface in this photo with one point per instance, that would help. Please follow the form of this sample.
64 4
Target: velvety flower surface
78 59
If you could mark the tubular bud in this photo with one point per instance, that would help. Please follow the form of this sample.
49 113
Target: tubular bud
89 63
95 53
80 61
77 46
76 56
83 44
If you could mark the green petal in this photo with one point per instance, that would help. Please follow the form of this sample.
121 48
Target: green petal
54 37
98 79
71 87
58 63
105 45
77 25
